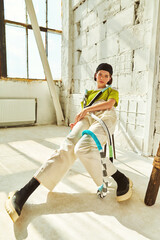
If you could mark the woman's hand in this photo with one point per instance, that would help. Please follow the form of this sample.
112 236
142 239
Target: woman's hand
72 125
79 116
106 105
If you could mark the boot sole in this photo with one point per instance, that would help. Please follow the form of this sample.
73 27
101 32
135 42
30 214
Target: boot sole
127 195
10 208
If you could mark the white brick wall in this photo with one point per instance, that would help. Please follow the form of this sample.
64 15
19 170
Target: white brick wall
126 3
158 96
157 122
107 31
80 12
141 59
120 21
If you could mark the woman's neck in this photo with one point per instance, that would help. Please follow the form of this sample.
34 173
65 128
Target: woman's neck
99 88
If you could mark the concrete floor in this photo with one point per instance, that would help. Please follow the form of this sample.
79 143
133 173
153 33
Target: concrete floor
72 211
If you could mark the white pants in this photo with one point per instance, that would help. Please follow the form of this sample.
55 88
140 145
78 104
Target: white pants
75 146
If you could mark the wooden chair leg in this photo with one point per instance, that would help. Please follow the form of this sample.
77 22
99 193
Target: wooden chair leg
113 142
154 182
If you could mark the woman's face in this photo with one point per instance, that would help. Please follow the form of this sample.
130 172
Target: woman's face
103 77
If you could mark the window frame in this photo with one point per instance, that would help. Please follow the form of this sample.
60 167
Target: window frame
3 59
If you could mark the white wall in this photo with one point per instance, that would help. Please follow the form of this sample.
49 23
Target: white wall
118 32
157 121
34 89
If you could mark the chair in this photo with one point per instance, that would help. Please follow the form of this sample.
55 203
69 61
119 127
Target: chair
113 143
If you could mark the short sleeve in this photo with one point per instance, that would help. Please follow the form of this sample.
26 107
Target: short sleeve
114 94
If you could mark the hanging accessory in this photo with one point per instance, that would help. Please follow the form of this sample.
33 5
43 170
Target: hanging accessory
102 190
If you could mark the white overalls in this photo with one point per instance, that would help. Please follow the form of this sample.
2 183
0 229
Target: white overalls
75 146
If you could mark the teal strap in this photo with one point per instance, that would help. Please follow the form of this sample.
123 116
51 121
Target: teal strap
88 132
86 91
100 188
106 88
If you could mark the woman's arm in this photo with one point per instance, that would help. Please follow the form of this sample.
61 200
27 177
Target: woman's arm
100 106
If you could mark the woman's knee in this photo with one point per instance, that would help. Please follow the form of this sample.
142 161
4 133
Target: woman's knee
80 150
77 150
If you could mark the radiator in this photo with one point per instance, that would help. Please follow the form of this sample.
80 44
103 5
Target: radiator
15 112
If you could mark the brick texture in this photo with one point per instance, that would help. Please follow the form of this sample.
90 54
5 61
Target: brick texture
117 32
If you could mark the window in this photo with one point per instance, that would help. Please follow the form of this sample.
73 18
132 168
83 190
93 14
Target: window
20 52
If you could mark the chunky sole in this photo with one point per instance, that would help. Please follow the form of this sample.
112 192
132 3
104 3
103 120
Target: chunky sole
127 195
10 208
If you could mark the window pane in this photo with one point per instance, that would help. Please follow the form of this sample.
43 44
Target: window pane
35 65
15 10
40 9
54 54
16 51
54 14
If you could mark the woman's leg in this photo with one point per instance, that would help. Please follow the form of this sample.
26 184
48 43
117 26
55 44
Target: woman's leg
16 200
86 149
51 172
54 169
88 153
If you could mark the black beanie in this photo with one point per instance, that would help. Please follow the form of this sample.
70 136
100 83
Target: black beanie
104 66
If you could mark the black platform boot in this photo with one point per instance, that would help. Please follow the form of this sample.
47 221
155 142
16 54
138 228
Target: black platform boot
17 199
124 186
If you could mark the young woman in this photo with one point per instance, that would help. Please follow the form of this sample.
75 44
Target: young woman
77 146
